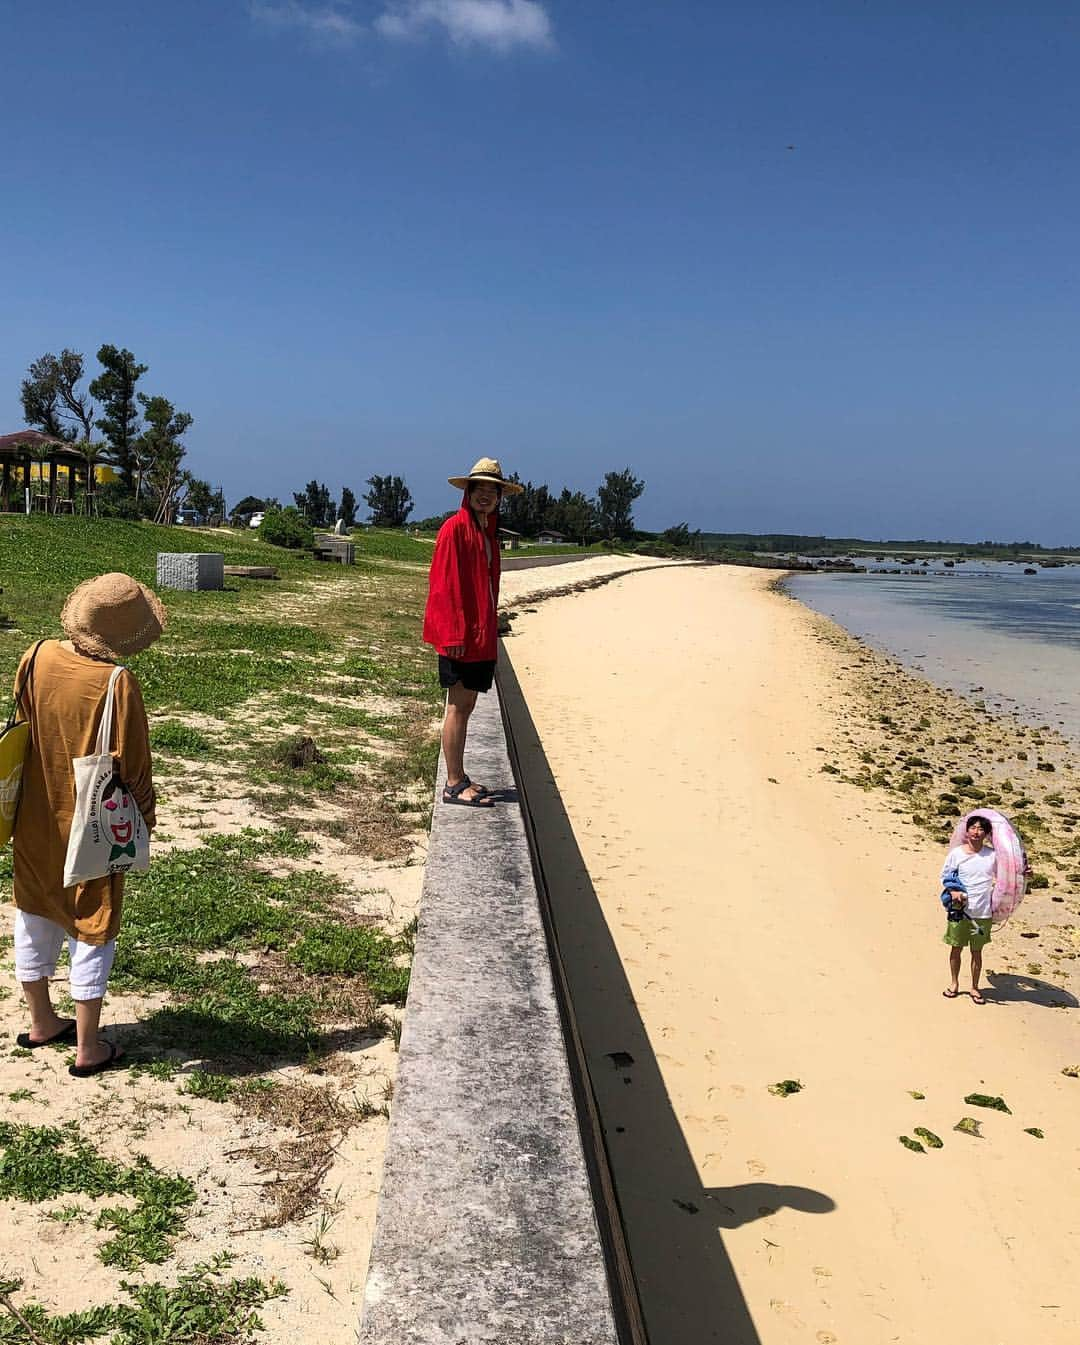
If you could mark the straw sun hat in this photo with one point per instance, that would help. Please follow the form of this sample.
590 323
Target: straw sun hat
112 617
486 469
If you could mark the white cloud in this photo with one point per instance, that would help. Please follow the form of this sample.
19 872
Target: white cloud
499 24
326 23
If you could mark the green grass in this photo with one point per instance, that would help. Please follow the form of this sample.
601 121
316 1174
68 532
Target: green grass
201 1308
42 1162
194 925
390 544
214 1087
215 899
329 948
181 740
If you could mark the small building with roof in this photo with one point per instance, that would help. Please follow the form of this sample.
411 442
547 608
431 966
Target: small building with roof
38 471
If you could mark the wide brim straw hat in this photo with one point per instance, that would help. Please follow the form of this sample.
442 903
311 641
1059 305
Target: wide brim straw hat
486 469
112 616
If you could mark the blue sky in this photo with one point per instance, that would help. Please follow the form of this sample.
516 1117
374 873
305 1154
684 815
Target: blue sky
396 235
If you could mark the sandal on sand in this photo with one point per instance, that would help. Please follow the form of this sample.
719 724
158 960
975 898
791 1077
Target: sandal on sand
453 793
85 1071
976 997
65 1034
950 994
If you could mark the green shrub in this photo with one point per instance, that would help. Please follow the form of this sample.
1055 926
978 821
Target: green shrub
288 528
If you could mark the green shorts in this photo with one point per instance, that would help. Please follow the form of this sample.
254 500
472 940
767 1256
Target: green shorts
961 933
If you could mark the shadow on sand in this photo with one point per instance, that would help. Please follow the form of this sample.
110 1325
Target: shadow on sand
688 1290
1005 987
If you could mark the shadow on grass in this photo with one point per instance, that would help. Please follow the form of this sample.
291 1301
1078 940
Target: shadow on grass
686 1284
197 1038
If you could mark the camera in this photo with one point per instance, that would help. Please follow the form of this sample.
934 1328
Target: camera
956 911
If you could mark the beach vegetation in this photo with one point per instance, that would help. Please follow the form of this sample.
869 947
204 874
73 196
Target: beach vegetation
178 739
928 1137
911 1144
214 1087
42 1162
201 1308
986 1100
968 1125
785 1087
1034 1130
919 1097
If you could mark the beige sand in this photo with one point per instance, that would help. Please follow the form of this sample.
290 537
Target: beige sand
730 917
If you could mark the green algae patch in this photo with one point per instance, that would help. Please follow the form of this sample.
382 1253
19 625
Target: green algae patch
985 1100
785 1087
911 1144
930 1139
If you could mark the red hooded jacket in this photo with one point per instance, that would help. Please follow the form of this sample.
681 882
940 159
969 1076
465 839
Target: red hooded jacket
463 592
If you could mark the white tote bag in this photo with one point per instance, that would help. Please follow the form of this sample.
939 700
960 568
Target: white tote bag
108 834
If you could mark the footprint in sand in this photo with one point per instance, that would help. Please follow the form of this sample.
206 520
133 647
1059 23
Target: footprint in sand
825 1338
755 1168
786 1311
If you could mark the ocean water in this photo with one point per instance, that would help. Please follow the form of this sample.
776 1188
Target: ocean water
987 631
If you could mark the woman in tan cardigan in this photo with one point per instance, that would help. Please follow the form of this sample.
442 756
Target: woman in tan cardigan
106 620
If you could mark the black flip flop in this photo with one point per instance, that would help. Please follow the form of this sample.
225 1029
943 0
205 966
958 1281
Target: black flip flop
65 1034
85 1071
453 793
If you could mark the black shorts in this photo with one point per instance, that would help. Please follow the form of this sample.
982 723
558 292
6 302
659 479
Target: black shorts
476 676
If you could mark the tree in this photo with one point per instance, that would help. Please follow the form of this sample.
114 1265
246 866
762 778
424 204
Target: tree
40 397
199 495
50 396
115 390
316 504
528 511
389 501
615 501
347 507
434 522
679 535
574 515
158 454
250 504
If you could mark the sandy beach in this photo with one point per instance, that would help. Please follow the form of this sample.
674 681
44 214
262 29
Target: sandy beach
744 873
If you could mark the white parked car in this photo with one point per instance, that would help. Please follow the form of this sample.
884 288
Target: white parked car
256 519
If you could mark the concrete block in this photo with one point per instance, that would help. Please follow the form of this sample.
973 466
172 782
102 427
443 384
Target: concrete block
191 569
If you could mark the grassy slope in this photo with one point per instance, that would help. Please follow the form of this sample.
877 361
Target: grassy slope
250 967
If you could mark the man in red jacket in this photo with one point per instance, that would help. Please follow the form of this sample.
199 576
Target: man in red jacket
461 615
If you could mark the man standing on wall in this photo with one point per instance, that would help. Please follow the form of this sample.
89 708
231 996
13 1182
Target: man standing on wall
460 619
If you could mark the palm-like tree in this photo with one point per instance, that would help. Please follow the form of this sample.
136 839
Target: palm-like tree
41 453
92 455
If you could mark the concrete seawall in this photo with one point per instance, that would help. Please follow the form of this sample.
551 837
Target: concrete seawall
512 562
488 1227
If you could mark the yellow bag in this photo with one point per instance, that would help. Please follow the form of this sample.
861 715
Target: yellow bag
14 745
